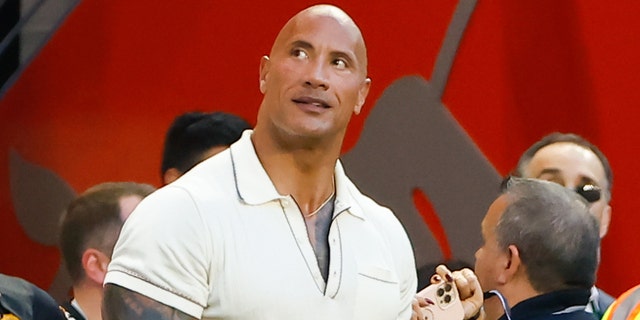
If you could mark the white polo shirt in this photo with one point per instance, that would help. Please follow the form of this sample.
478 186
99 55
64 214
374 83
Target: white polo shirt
221 243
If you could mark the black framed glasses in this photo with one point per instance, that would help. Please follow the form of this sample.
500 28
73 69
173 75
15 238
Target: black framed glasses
589 192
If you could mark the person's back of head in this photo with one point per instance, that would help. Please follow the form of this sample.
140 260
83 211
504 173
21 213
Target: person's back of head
554 233
195 136
93 221
88 233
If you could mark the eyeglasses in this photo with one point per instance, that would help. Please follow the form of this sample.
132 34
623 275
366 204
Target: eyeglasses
589 192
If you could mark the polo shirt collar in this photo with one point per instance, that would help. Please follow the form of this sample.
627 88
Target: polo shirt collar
254 186
345 201
252 182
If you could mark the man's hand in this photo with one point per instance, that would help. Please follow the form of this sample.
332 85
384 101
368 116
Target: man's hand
468 288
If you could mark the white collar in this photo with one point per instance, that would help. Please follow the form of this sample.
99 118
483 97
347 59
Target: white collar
76 305
254 186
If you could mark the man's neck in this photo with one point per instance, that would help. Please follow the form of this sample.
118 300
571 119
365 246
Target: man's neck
89 297
309 188
518 291
306 173
514 292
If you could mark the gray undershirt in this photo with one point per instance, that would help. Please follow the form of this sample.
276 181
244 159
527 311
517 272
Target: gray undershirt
318 227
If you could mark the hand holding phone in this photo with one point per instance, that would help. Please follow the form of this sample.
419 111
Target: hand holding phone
447 301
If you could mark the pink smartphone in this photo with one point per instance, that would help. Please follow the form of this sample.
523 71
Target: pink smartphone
447 302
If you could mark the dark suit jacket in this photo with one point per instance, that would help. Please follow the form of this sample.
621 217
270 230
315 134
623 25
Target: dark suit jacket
26 301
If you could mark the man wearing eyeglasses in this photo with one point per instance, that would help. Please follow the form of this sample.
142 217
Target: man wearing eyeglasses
572 161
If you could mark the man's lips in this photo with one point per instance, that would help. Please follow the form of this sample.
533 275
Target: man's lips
312 101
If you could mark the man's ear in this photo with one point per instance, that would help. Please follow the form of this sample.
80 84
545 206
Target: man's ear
264 71
511 264
95 264
171 175
362 95
604 221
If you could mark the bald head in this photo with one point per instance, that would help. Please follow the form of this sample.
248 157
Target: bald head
324 11
314 79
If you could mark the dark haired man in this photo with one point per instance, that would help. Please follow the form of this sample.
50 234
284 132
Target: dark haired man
195 136
89 230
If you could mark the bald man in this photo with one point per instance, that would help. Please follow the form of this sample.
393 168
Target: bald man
272 228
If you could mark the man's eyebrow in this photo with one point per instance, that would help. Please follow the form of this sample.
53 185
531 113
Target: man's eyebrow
301 44
583 178
588 180
306 45
548 171
336 53
347 55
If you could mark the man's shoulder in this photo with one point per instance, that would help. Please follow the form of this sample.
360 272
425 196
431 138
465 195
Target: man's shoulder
379 214
604 299
365 202
626 306
356 194
576 315
26 301
214 172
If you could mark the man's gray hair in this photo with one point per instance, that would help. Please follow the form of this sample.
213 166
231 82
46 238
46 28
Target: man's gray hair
556 236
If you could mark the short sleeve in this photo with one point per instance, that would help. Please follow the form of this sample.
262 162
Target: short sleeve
164 252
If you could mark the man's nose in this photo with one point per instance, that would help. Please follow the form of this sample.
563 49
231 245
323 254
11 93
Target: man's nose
317 75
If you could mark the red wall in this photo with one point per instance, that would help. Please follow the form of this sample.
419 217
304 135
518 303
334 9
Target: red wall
93 106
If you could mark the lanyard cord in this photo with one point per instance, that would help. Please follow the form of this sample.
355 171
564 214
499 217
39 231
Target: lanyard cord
503 301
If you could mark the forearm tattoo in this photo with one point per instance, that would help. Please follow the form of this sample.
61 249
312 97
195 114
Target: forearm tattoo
121 303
